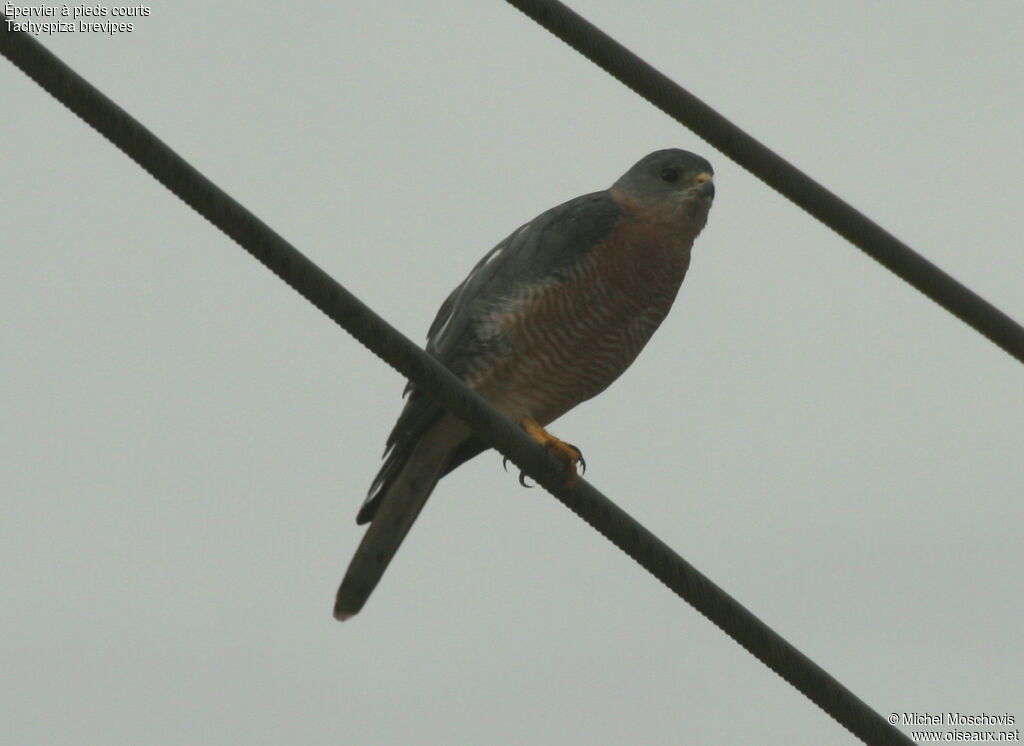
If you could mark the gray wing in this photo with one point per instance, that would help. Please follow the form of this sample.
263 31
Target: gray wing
541 250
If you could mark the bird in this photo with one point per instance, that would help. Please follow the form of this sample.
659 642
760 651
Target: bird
547 319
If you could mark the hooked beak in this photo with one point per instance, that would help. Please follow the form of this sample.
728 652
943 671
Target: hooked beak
705 186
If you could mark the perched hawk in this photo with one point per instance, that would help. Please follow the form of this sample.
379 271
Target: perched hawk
547 319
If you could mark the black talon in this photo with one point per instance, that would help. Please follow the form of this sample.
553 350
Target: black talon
579 456
522 480
504 463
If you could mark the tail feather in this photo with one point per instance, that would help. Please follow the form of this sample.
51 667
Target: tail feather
397 509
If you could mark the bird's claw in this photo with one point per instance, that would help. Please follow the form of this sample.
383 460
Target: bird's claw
522 474
567 453
579 458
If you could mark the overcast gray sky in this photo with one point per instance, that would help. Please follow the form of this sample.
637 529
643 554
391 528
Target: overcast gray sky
185 441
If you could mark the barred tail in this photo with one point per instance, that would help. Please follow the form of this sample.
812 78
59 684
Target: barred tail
395 513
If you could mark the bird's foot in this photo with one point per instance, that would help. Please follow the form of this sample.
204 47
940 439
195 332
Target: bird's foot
567 453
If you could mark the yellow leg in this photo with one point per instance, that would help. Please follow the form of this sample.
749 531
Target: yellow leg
564 452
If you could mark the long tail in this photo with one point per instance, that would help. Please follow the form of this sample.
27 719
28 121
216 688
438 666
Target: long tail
397 510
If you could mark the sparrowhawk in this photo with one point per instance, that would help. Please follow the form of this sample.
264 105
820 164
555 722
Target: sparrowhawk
547 319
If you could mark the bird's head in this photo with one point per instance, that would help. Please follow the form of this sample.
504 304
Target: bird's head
668 186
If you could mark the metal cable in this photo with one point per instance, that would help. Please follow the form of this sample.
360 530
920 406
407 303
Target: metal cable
436 381
776 172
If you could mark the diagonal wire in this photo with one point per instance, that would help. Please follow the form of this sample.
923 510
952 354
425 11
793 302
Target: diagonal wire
436 381
776 172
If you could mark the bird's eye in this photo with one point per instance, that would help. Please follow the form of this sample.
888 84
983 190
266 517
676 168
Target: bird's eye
670 175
